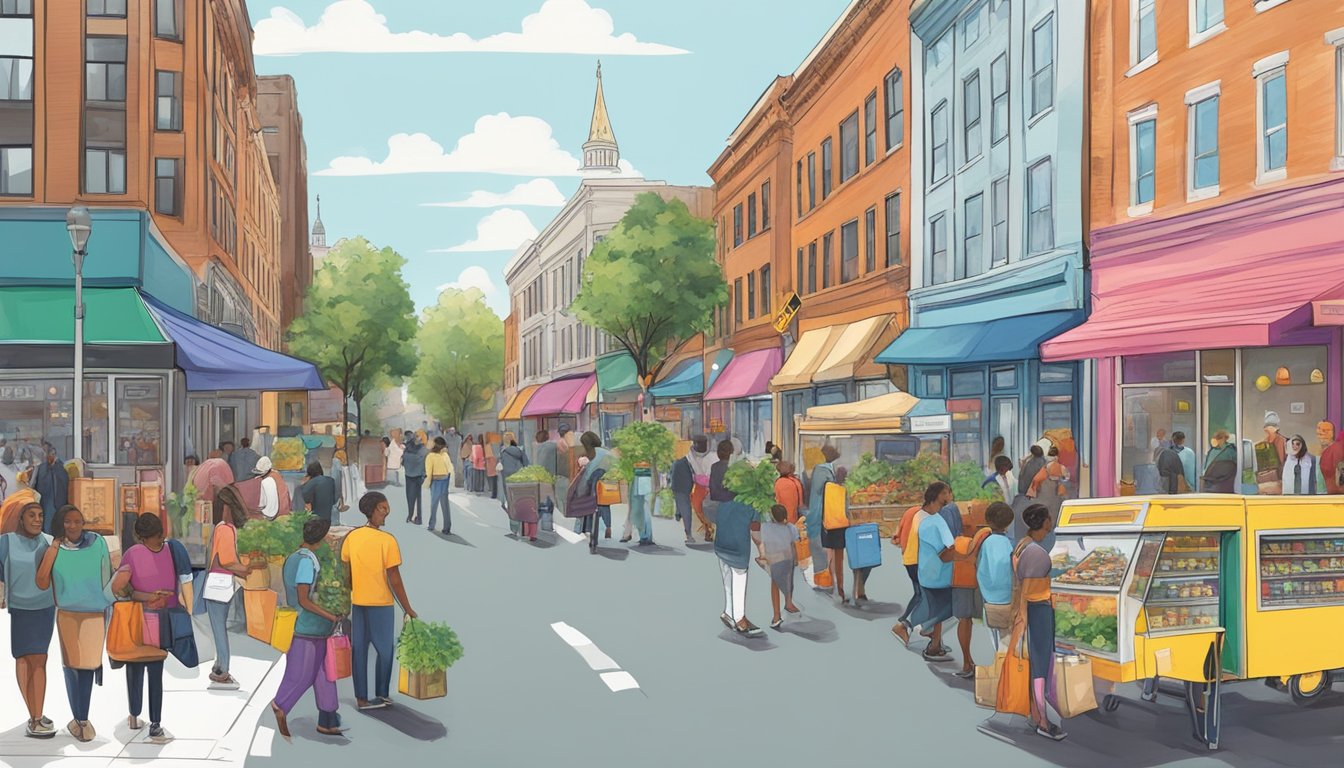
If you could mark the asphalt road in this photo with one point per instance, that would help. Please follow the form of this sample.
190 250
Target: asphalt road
833 688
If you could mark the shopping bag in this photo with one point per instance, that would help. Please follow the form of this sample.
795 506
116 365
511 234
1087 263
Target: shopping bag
219 587
339 659
999 615
987 682
802 550
834 514
1014 694
126 633
151 634
608 493
282 629
1070 689
259 605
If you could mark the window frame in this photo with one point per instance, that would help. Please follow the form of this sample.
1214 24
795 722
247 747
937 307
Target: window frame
1138 61
998 130
969 260
855 129
1194 99
104 14
737 302
893 90
5 175
811 181
1265 71
751 215
765 296
176 8
175 101
827 167
971 120
799 187
108 154
812 267
1045 71
799 287
937 116
998 221
765 205
107 71
176 179
751 296
870 129
851 226
1198 35
737 226
937 236
1049 208
828 260
888 232
870 240
1139 117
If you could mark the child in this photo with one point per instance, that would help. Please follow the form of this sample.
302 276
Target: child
779 558
994 570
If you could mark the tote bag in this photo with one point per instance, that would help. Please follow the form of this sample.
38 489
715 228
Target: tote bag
126 635
339 658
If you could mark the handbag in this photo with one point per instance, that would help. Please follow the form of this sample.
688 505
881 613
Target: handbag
1014 685
963 571
339 659
219 587
608 493
282 630
802 549
999 616
1069 689
126 635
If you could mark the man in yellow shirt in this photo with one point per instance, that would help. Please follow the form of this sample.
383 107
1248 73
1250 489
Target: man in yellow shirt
375 580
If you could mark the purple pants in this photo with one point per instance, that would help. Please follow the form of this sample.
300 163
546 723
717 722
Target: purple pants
305 667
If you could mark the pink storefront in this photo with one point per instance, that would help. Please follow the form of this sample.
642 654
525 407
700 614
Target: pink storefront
1225 320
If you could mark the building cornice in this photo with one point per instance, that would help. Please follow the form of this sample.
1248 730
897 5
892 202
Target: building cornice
816 74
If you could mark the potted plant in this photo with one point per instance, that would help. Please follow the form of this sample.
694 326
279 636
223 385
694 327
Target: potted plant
425 652
252 545
525 490
753 484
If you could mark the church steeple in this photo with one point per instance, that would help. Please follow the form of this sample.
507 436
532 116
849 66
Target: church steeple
600 152
319 239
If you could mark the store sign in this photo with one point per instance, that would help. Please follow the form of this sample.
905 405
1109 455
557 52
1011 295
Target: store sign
941 423
786 313
1327 312
666 413
18 392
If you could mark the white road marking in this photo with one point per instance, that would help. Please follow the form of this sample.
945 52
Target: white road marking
619 681
616 680
573 637
597 660
571 536
261 743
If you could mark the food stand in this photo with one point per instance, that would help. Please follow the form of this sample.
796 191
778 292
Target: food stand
1205 590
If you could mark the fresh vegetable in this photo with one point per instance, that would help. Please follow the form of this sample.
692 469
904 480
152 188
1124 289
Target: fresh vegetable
280 537
753 484
333 582
968 483
876 482
1087 621
427 647
532 473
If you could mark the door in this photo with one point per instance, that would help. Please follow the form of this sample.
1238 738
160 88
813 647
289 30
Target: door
201 430
1230 599
229 425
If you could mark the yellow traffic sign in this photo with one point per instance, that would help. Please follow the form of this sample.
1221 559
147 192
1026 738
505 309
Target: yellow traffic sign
786 312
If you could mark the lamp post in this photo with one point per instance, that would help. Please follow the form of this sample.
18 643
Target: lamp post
80 225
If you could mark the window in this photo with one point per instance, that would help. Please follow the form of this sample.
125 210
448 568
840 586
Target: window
16 170
1043 66
751 295
827 268
765 291
894 108
1142 157
938 249
116 8
938 146
968 383
1142 31
998 204
798 284
16 61
812 267
1003 378
1041 211
751 215
973 227
932 383
737 225
1273 146
765 206
870 129
105 171
849 251
168 186
1205 15
870 240
998 107
849 147
737 301
826 168
892 216
105 69
798 188
970 27
811 180
139 404
1203 146
167 14
169 101
970 110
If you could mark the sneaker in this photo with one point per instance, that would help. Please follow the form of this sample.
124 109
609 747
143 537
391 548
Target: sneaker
158 735
936 654
223 682
38 730
1053 733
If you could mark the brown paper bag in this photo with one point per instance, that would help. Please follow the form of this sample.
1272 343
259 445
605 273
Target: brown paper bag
987 682
1073 694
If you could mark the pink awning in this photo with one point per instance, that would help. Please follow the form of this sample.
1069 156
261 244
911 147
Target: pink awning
567 395
748 375
1240 276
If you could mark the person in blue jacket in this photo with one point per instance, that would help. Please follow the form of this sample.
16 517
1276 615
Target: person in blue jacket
734 525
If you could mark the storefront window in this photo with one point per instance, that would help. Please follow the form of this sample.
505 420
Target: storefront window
932 383
1218 366
1171 367
37 411
792 404
751 425
1005 378
1283 393
966 434
96 438
1149 417
1056 374
833 394
968 383
1006 426
139 404
871 389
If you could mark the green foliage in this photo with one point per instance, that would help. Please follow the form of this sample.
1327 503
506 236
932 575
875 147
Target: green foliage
666 503
461 355
358 318
967 479
871 471
754 485
426 647
532 473
280 537
1099 631
642 442
919 473
181 508
653 281
333 582
252 536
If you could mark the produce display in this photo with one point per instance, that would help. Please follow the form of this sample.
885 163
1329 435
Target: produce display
874 482
1301 570
288 454
1177 564
532 473
280 537
1185 588
333 583
1102 567
1087 622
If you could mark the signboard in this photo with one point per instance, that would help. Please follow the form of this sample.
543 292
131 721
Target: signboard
940 423
786 313
18 392
666 413
1328 312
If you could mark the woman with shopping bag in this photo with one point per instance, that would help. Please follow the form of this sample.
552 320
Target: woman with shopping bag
306 660
78 570
1033 631
32 613
220 590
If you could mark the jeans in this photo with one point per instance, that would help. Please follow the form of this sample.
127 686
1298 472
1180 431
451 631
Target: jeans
438 496
79 690
135 688
372 624
641 512
561 494
683 501
394 476
414 496
219 629
305 667
589 524
734 591
913 570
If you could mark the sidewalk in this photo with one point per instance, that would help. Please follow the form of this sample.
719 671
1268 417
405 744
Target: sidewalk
213 726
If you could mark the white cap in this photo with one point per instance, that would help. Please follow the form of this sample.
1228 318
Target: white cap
263 466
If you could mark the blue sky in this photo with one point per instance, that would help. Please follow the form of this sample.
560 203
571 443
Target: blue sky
432 69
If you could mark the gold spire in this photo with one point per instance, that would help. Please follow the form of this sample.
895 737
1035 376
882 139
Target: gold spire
601 127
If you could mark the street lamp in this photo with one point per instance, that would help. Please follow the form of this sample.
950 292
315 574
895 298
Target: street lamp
80 225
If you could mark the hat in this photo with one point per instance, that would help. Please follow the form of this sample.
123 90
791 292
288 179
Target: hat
263 466
1271 419
563 429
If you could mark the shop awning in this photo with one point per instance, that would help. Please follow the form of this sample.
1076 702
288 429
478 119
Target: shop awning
686 380
567 395
853 348
45 315
215 359
885 412
748 375
514 410
720 364
617 372
806 357
1001 340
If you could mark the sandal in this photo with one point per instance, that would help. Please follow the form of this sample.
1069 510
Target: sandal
751 630
727 621
281 722
794 609
777 623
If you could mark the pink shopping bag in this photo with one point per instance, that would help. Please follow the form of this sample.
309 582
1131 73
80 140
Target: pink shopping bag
339 658
151 636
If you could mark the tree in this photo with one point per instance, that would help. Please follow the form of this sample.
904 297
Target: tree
461 364
642 442
358 320
653 283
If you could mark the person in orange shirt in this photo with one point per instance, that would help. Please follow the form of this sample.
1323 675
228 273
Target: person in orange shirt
789 491
906 539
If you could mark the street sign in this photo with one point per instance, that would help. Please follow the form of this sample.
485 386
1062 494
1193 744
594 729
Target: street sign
786 312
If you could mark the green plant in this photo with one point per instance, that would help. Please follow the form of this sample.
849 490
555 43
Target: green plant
181 508
252 537
642 442
919 473
666 503
532 473
968 483
286 534
427 647
333 582
753 484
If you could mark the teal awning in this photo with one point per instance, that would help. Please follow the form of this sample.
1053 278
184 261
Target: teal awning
45 315
686 380
616 372
996 341
721 360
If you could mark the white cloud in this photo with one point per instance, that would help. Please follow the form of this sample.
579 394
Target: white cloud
537 192
473 277
354 26
503 230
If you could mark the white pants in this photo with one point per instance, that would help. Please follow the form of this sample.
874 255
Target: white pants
734 591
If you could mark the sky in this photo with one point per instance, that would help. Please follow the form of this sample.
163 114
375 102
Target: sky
451 130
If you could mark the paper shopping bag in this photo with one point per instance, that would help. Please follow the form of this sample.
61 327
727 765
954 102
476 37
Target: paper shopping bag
1071 692
339 660
987 682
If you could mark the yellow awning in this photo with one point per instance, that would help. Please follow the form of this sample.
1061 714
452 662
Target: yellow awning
514 410
882 412
857 344
592 395
806 357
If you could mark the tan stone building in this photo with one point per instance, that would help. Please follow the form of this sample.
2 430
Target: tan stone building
287 154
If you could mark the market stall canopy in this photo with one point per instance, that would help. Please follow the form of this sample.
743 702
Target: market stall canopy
514 410
721 360
854 349
617 372
215 359
566 395
686 380
885 412
42 315
806 357
1001 340
748 375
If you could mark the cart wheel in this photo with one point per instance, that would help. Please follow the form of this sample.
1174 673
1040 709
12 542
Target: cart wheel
1111 703
1307 689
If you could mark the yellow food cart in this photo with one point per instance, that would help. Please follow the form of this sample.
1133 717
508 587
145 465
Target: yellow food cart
1203 589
